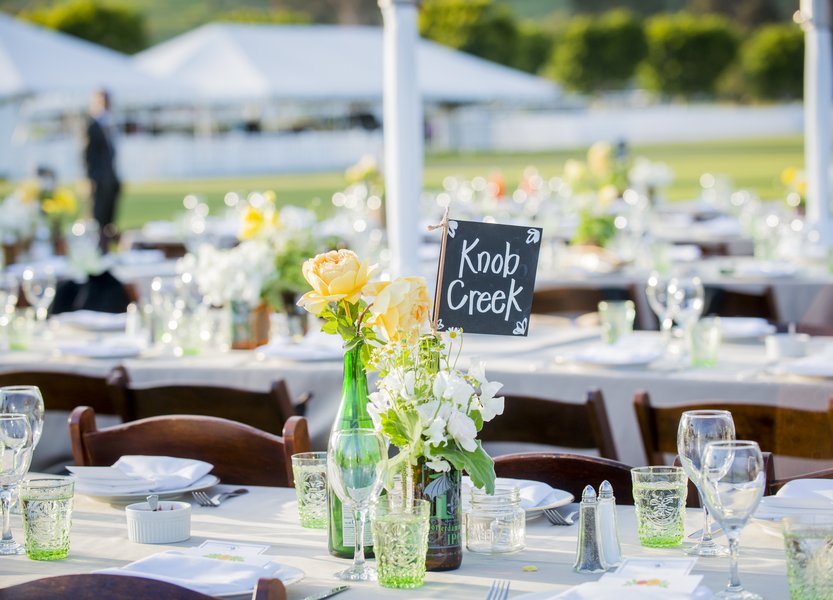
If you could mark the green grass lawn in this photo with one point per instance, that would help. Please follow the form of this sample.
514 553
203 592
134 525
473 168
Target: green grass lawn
751 164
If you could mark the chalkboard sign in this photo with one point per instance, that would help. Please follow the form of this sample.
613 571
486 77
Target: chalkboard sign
486 277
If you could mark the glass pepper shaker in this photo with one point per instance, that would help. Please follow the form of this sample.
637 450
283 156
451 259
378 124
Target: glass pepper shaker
496 524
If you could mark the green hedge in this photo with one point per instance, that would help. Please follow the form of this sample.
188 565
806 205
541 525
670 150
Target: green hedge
687 54
773 62
598 53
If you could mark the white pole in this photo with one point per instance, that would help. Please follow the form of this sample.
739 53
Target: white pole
403 134
818 96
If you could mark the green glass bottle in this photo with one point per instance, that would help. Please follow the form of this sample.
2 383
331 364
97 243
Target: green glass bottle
352 414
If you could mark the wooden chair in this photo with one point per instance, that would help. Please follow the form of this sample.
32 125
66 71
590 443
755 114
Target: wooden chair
777 429
554 423
170 249
727 303
240 453
65 391
777 484
265 410
569 472
95 586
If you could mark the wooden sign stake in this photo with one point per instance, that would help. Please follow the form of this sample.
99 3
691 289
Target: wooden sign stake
444 226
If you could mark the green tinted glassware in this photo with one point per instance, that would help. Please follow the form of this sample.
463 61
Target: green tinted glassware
352 414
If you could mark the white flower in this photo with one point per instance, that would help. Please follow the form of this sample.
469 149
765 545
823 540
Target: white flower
491 406
427 411
477 371
462 429
435 433
452 386
436 463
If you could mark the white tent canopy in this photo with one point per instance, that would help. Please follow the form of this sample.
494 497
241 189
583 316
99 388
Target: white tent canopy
234 62
38 61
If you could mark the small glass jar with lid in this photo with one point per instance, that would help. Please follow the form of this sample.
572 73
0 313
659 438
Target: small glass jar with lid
496 524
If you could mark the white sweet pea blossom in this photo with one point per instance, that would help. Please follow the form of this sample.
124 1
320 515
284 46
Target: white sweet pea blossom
462 429
491 406
435 433
435 463
477 371
452 386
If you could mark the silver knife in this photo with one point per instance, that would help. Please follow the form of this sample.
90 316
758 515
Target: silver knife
328 593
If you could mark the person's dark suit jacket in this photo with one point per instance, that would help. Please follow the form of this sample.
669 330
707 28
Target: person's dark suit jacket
99 158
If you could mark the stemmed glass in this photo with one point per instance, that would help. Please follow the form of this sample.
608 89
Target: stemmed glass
15 456
356 464
686 300
26 400
697 428
9 290
732 481
39 289
659 300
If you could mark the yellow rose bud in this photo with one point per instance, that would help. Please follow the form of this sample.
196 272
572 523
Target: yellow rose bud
399 307
334 276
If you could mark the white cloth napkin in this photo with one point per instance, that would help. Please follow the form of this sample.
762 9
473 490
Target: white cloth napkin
627 351
744 327
315 346
115 347
801 496
599 590
207 575
140 474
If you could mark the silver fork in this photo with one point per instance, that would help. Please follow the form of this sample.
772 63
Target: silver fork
556 518
204 499
499 590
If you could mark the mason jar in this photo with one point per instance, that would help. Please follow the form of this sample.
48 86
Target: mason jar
496 524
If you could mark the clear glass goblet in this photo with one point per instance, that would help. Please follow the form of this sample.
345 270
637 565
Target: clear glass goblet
696 429
15 457
686 300
656 290
26 400
732 480
39 290
356 465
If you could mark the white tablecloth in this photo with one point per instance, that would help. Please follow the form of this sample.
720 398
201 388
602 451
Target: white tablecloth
269 516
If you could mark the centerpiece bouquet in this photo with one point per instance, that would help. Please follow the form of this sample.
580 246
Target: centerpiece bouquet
424 404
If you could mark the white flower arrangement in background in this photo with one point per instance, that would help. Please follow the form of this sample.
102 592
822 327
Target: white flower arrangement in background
236 274
18 218
429 408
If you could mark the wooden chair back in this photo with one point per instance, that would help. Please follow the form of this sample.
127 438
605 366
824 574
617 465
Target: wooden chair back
169 249
777 429
555 423
240 453
267 411
575 301
95 586
65 391
728 303
568 472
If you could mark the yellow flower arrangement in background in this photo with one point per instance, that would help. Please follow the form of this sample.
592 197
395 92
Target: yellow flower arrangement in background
260 219
796 182
63 203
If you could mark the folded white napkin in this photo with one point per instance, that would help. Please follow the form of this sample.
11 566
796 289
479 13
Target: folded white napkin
599 590
117 347
802 496
207 575
137 473
92 320
744 327
627 351
315 346
765 268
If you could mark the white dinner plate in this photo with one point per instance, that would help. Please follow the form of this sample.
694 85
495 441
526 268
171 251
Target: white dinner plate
100 350
602 355
90 320
204 482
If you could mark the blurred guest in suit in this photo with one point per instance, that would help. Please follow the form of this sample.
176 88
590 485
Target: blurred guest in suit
99 160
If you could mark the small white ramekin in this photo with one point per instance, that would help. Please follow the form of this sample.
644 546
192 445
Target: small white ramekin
172 523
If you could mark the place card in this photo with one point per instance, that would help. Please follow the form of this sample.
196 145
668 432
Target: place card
228 550
665 580
679 565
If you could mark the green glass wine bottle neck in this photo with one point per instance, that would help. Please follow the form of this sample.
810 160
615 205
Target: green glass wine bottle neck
353 410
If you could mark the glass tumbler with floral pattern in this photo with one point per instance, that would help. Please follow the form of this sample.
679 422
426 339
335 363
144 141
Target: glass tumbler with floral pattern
310 472
659 496
400 541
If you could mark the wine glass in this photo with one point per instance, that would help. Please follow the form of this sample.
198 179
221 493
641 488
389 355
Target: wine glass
9 290
697 428
356 463
686 299
656 291
26 400
15 456
39 289
732 480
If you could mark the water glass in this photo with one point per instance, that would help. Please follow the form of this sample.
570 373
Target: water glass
659 496
26 400
310 472
21 330
400 542
808 541
704 342
616 318
496 524
46 505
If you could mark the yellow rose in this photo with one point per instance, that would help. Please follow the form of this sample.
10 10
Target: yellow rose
598 158
334 276
400 307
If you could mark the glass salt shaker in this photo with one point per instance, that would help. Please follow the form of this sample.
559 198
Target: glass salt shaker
496 524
